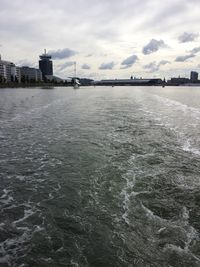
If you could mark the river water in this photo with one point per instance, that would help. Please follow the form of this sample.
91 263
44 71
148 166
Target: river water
100 177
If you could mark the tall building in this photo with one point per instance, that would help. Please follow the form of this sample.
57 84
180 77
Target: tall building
193 76
46 64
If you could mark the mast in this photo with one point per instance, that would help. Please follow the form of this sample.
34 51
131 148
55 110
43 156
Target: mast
74 69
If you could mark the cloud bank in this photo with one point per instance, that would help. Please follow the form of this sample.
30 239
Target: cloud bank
62 53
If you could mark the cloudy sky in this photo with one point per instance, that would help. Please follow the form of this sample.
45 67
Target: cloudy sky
107 38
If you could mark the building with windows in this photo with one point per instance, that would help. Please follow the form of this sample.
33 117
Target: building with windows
46 65
6 70
15 74
30 74
194 76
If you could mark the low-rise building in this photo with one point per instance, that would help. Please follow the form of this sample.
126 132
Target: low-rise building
30 74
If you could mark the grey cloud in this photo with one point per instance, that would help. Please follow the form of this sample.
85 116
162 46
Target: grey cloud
195 50
65 65
25 62
85 67
153 66
129 61
62 53
153 46
107 66
184 58
163 62
187 37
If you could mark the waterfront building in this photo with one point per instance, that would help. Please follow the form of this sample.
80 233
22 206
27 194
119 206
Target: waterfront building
6 70
194 76
46 64
131 82
178 81
15 74
30 74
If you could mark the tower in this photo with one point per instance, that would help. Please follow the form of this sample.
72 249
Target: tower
45 64
193 76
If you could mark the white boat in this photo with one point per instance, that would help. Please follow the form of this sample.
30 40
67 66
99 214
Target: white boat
76 83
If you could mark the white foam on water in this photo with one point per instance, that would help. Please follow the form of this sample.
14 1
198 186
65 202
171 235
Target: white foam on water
27 213
6 198
127 192
180 125
188 148
180 251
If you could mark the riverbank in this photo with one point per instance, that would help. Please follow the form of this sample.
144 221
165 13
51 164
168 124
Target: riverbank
25 85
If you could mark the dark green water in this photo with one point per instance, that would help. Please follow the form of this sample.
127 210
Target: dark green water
100 177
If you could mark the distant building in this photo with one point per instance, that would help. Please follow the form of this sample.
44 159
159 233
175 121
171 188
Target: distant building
45 64
131 82
51 78
193 76
30 74
8 71
15 74
178 81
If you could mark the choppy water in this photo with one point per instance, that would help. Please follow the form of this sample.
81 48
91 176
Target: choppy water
100 177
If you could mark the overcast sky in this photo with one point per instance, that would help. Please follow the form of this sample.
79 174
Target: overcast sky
107 38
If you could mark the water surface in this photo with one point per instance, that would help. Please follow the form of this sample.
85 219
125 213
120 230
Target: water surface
100 176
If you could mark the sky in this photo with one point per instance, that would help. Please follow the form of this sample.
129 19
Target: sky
106 38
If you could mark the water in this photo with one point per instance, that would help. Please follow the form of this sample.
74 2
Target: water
100 177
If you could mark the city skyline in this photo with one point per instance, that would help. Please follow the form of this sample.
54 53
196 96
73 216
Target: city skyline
107 39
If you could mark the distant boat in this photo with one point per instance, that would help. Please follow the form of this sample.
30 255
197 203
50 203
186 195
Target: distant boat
76 83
